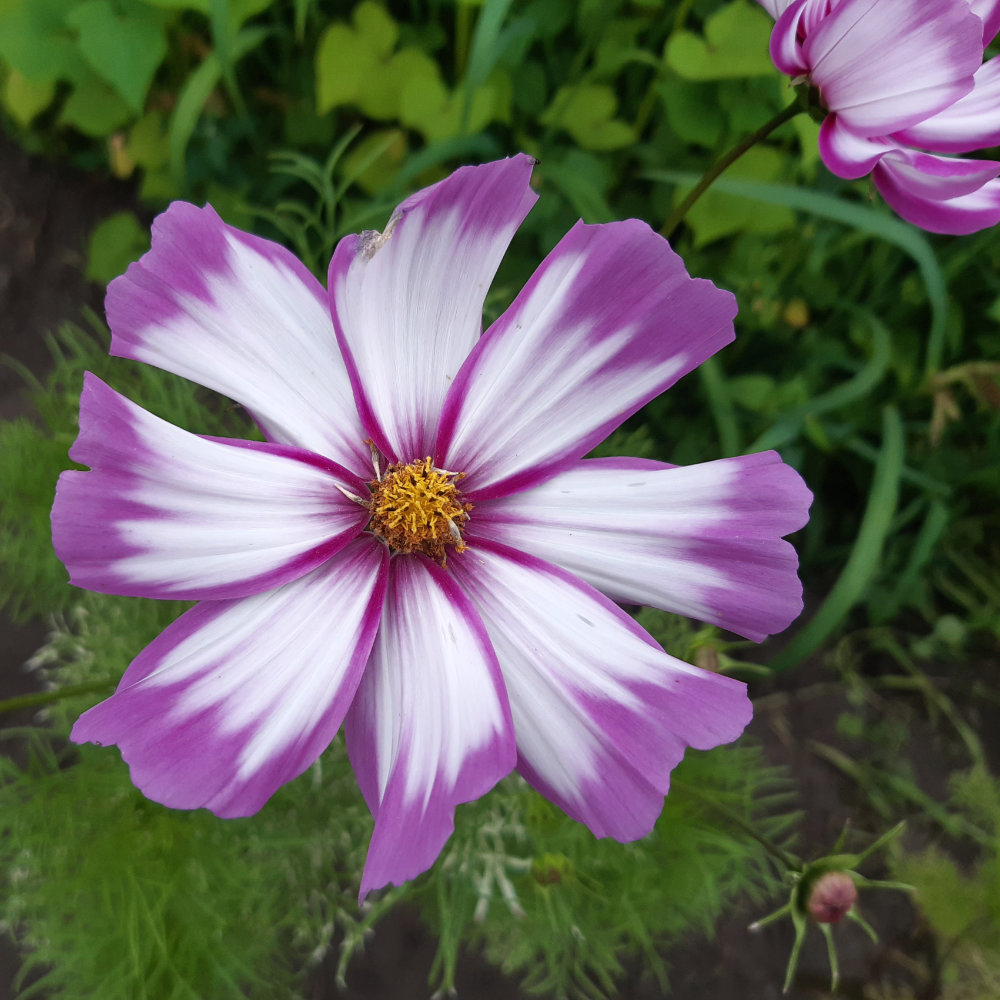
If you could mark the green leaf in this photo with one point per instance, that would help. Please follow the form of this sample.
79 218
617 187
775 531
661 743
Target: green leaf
95 109
301 12
356 65
240 11
754 390
190 101
114 244
342 65
202 6
195 92
863 561
25 98
34 40
551 18
428 106
147 141
583 181
227 17
848 393
489 43
125 50
808 133
304 127
735 45
373 23
373 162
587 112
381 96
532 90
692 111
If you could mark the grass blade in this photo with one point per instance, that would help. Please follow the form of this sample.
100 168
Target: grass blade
864 558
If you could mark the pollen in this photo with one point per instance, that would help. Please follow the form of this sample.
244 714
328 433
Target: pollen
418 508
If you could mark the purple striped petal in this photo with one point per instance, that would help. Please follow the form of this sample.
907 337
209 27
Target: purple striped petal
989 12
969 124
430 726
886 66
794 22
408 303
848 154
238 697
165 513
703 541
602 714
242 316
939 194
609 320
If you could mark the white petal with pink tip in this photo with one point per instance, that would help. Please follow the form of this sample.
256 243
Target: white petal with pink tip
183 516
570 359
408 303
238 697
704 541
240 315
602 714
430 727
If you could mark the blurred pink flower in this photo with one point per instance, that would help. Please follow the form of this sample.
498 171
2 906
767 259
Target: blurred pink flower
903 81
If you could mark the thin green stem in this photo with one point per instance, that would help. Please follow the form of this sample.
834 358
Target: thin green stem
726 160
48 697
783 857
463 36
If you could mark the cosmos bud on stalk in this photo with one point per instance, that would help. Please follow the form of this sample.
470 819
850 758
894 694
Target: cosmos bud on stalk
832 897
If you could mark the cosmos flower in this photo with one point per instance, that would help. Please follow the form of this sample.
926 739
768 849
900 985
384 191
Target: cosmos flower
419 548
903 81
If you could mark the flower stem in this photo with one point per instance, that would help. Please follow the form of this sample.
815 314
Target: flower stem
726 160
47 697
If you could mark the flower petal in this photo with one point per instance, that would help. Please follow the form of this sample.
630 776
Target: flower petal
970 123
238 697
862 56
848 154
775 7
703 541
240 315
609 320
602 714
795 20
430 726
408 303
989 12
165 513
940 194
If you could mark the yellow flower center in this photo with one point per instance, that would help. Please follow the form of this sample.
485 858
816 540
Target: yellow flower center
417 508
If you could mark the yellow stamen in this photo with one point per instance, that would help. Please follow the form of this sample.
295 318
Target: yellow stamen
418 508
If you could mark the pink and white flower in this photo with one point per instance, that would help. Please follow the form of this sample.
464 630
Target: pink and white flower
903 81
420 548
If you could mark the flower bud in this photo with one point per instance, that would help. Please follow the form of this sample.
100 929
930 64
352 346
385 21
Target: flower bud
832 895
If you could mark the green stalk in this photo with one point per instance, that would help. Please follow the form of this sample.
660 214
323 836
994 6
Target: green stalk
726 160
48 697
